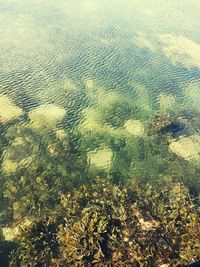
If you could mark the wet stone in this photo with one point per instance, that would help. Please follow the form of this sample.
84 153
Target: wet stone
134 127
8 110
187 148
46 116
101 158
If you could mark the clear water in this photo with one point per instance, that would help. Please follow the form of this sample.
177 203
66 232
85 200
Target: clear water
92 87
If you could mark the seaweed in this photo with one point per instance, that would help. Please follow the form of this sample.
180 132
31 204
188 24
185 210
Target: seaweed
106 225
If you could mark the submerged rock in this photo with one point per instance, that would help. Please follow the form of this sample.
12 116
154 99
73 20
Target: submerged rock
10 233
19 154
134 127
187 148
101 158
8 110
46 116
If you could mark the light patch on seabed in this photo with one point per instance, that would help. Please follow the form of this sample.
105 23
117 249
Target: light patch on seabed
102 158
187 148
91 122
134 127
9 166
180 50
61 134
46 116
8 110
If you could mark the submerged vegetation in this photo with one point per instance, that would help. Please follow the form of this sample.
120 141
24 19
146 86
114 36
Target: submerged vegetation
106 225
100 134
143 212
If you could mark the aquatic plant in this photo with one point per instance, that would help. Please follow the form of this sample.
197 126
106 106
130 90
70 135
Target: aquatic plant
106 225
45 165
118 112
163 123
38 243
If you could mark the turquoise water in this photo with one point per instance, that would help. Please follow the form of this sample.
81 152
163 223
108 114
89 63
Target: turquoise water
91 88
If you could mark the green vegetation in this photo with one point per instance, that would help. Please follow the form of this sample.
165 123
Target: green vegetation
142 209
106 225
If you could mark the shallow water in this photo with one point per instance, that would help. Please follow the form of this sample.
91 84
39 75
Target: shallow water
93 87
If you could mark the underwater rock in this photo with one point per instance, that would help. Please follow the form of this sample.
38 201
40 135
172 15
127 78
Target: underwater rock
181 50
187 148
176 129
8 110
19 154
134 127
46 116
92 122
10 233
106 115
101 158
96 92
161 121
